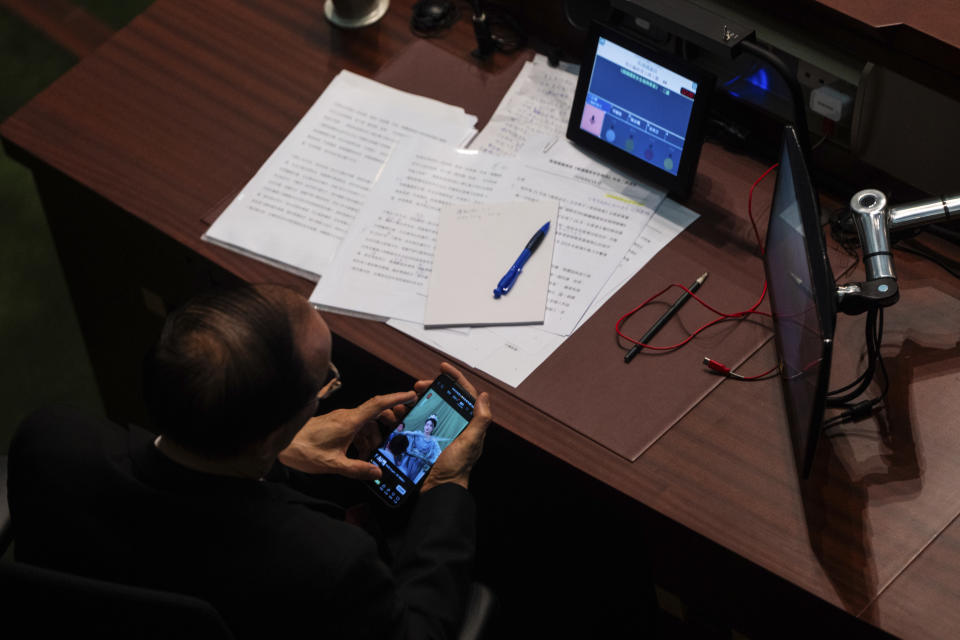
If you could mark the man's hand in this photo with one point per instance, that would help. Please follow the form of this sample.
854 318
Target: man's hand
457 460
321 445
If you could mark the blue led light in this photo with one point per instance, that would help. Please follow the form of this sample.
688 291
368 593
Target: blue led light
759 79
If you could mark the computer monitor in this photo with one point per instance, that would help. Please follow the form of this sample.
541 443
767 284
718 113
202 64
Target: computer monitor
802 299
640 108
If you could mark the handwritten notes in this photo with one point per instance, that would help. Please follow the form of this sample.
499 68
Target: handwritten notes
537 105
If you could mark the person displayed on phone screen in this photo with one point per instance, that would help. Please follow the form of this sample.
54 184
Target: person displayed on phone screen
397 431
395 450
423 448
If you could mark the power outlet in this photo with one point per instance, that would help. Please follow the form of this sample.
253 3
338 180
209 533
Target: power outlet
813 77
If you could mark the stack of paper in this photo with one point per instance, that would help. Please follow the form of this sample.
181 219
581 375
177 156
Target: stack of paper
353 197
383 268
303 202
529 126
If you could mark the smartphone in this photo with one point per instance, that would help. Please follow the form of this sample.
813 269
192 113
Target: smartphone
410 450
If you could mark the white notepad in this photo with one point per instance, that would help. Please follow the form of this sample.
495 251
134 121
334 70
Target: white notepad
476 246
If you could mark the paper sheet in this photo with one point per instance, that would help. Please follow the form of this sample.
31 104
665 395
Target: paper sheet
476 245
669 221
383 268
595 230
304 200
564 159
536 105
511 354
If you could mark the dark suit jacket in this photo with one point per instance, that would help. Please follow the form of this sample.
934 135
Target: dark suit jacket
92 498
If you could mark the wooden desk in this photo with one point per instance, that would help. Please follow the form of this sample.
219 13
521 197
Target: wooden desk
159 128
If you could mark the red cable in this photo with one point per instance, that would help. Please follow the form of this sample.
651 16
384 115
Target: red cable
723 316
753 222
739 315
723 369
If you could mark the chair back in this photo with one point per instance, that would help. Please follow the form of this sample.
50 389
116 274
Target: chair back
43 602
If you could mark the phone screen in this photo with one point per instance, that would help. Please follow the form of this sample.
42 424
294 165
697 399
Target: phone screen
410 450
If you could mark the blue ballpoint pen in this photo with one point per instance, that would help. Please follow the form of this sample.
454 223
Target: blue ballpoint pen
506 282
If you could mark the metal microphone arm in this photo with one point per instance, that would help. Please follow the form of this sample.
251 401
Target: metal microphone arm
875 219
923 212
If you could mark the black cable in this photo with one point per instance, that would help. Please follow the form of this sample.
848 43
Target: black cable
846 387
573 23
846 242
856 412
835 420
943 232
932 258
882 367
864 379
864 408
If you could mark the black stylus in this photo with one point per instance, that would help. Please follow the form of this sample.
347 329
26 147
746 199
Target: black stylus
652 331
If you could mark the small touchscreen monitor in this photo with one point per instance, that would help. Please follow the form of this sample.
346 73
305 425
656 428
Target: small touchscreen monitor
640 108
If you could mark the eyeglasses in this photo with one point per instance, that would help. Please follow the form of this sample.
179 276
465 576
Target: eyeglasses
331 383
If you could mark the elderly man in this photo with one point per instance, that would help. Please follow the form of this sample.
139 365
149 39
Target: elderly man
208 508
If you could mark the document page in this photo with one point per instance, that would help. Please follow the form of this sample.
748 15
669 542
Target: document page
537 105
564 159
305 198
595 230
669 221
383 268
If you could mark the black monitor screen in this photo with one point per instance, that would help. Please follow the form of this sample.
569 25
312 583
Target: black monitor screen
641 108
801 299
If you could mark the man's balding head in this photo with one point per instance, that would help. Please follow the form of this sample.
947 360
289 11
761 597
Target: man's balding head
232 367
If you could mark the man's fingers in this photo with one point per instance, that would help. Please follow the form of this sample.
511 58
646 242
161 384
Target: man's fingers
393 415
378 404
422 385
481 418
359 469
460 379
